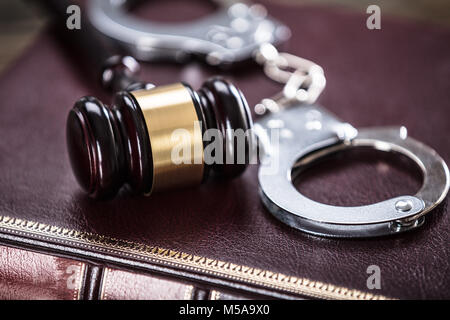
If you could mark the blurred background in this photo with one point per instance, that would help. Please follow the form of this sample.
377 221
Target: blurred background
20 22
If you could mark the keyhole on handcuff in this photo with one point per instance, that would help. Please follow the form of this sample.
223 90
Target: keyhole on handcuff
157 11
360 176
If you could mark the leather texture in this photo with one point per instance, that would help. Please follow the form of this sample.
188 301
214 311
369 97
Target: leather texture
123 285
26 275
394 76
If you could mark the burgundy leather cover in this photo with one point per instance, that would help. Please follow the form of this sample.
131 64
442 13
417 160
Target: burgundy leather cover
121 285
395 76
26 275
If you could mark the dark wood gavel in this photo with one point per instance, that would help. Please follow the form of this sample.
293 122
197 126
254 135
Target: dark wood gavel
130 141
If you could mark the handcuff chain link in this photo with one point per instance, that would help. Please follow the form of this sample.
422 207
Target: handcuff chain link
303 79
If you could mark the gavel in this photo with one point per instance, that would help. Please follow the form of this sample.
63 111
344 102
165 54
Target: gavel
130 142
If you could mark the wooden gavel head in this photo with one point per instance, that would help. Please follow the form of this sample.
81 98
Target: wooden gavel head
134 140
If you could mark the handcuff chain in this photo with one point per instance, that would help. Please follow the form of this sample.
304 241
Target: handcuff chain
303 80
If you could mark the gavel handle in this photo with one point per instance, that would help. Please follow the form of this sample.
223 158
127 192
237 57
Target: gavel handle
104 61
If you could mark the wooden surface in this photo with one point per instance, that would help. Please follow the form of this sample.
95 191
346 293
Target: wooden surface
20 21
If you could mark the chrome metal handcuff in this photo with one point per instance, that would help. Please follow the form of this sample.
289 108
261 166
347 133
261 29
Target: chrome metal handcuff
238 31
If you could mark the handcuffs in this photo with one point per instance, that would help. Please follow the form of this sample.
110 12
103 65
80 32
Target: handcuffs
238 31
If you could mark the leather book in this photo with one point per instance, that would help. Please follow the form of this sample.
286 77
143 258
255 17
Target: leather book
217 241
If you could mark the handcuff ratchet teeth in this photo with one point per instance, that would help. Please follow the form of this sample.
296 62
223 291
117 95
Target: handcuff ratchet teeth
237 32
323 134
294 113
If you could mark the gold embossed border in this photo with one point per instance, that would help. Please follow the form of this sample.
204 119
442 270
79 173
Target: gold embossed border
259 277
